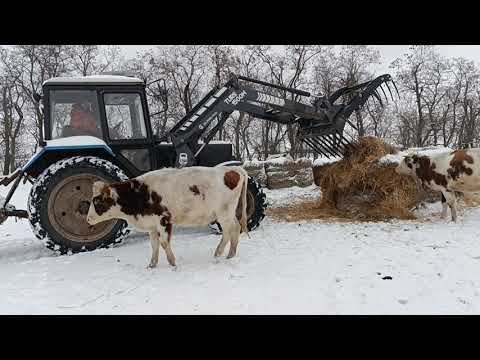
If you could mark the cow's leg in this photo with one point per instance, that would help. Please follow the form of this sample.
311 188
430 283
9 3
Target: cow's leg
155 242
234 236
225 237
444 207
223 242
452 202
165 238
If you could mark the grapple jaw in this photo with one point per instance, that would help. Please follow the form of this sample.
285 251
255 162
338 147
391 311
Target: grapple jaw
327 137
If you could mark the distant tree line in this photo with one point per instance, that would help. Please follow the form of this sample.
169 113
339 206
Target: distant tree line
439 102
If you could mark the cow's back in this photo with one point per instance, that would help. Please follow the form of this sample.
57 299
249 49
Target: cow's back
195 196
461 169
464 170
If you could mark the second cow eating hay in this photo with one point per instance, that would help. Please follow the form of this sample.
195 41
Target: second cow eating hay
157 200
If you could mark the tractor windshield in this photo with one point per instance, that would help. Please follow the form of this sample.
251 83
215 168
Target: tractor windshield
73 113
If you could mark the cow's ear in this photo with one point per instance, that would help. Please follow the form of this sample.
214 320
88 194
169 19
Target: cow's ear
97 187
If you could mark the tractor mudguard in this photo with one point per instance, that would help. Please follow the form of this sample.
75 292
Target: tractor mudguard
55 150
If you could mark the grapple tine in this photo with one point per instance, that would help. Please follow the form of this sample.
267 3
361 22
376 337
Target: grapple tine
351 142
343 140
315 146
333 144
312 146
384 94
377 96
325 145
395 86
390 91
328 146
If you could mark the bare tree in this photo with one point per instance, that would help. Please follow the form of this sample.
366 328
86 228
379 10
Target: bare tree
413 72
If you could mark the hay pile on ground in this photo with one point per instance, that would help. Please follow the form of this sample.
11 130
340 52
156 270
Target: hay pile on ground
363 188
358 187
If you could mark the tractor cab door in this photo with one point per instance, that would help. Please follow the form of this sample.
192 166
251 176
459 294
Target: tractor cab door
128 131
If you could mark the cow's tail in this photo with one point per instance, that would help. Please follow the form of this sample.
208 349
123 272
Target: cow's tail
243 218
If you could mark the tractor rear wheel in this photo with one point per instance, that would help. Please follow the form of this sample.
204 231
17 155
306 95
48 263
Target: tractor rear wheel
59 203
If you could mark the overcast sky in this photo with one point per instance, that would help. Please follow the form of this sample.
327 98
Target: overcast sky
388 52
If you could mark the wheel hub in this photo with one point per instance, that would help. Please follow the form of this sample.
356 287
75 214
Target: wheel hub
83 207
68 206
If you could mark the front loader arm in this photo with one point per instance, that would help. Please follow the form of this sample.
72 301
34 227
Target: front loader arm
321 124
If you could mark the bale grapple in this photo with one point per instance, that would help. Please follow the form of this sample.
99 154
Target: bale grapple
326 135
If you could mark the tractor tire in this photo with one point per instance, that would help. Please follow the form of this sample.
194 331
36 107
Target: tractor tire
59 201
256 205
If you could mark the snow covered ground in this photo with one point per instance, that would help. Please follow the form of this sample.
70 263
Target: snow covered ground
426 266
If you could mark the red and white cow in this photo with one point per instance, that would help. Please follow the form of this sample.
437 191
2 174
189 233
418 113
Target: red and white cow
450 172
194 196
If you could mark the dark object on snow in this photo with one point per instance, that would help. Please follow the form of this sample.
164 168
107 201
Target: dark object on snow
387 278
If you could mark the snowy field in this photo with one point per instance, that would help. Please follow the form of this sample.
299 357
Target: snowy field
426 266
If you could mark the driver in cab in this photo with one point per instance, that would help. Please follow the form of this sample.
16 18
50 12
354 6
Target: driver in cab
82 122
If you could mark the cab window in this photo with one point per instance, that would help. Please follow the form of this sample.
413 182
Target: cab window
125 118
74 113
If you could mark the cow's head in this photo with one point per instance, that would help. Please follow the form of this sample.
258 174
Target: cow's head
408 165
103 206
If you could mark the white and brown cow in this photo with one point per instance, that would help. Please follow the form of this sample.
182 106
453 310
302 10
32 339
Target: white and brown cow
450 172
194 196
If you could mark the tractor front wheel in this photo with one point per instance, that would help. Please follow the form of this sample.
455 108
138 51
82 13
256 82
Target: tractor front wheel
59 203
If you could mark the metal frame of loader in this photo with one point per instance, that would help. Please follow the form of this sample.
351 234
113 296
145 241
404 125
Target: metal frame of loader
320 124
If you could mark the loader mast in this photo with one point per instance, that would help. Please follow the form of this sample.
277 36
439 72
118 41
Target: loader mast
321 123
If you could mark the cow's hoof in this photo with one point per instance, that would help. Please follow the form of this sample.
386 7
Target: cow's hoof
151 266
174 267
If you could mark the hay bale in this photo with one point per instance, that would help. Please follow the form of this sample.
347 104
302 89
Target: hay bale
256 169
363 188
285 172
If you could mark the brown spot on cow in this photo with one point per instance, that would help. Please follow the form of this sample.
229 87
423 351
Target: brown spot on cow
458 164
231 179
196 191
136 199
426 171
165 221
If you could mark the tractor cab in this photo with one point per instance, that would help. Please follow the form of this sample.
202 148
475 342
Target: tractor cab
114 109
111 108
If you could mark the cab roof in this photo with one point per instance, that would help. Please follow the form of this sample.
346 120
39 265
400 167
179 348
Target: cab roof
95 80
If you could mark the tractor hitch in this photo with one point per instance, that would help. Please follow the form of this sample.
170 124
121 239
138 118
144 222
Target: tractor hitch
7 210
